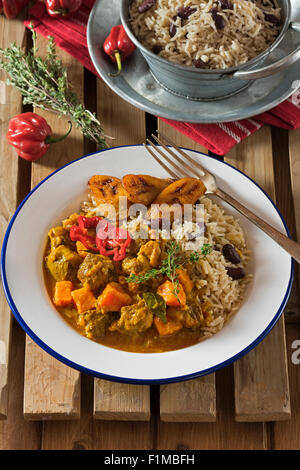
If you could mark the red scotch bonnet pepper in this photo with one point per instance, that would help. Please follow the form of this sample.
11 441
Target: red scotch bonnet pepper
118 46
11 8
62 7
30 134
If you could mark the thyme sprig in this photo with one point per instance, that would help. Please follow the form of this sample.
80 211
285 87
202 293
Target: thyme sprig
174 260
44 84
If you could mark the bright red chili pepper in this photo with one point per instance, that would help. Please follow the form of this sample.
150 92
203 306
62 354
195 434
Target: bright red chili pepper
11 8
30 134
62 7
118 46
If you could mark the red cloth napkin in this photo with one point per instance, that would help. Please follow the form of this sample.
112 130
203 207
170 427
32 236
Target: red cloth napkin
70 35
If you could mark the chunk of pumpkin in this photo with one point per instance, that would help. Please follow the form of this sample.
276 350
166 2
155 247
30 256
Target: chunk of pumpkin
172 298
168 328
113 298
62 293
84 299
185 280
183 191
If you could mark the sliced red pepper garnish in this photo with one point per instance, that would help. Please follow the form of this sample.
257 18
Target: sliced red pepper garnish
112 241
79 232
76 234
109 240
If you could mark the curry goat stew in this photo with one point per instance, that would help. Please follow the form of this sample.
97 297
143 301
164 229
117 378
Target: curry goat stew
133 337
152 294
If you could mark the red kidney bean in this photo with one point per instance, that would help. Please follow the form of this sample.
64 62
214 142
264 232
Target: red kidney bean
235 273
199 64
272 19
173 27
185 12
226 5
146 5
218 19
230 254
157 48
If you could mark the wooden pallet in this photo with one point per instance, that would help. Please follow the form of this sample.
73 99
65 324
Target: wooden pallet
255 389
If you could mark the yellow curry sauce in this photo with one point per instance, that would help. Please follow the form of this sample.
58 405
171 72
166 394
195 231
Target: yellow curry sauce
108 309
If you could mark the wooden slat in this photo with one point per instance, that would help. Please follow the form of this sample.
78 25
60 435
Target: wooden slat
224 434
193 400
261 377
188 401
88 433
113 401
294 145
286 434
122 402
52 390
180 139
16 433
285 188
10 104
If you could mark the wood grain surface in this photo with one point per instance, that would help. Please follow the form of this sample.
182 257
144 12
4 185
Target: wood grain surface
114 401
10 104
52 389
121 402
294 153
44 394
261 377
193 400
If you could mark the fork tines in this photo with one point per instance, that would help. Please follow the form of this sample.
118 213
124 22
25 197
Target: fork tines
177 171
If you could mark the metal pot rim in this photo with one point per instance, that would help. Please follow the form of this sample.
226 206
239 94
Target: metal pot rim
124 19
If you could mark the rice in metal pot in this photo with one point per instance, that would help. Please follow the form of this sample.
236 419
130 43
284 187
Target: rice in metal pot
206 34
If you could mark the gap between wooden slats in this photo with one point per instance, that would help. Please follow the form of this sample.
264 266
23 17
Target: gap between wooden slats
52 389
285 203
261 377
294 152
193 400
10 104
115 401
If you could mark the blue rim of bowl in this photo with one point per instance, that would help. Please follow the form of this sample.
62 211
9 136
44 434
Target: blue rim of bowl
112 378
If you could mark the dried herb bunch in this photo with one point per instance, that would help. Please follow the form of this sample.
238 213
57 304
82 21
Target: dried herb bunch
44 84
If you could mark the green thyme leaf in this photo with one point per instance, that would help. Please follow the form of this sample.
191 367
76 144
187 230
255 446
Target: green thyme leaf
174 260
206 249
194 257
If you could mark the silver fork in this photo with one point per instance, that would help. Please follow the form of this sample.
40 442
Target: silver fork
188 167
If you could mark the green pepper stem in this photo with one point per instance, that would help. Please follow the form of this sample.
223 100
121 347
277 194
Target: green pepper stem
117 55
51 140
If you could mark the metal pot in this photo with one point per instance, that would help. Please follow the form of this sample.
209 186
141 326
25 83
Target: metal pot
198 84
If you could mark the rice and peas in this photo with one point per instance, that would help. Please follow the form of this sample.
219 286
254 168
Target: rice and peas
206 34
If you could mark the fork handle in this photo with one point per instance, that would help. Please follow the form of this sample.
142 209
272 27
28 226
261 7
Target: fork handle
285 242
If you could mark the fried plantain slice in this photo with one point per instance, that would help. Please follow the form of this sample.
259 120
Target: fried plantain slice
143 189
106 189
183 191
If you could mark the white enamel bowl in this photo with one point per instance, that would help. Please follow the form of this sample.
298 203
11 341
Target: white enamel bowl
59 195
